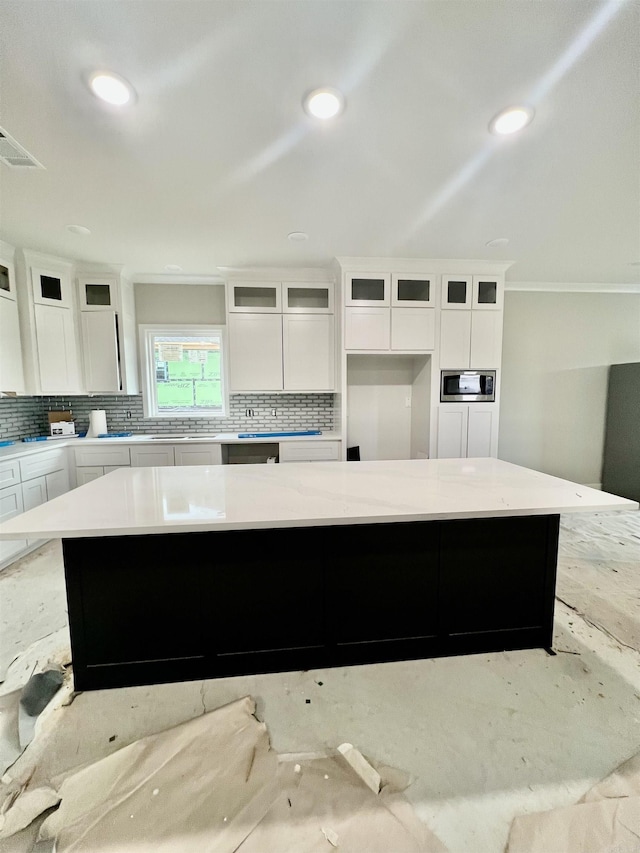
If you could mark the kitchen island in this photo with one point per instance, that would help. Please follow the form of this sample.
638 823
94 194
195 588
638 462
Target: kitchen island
200 572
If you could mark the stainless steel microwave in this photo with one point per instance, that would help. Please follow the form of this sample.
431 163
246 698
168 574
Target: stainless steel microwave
468 386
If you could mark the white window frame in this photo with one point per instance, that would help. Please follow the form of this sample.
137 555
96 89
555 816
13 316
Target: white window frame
146 334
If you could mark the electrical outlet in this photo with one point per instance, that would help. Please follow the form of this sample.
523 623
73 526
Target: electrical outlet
249 413
274 413
128 414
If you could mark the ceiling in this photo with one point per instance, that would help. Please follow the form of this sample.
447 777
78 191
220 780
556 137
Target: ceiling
216 163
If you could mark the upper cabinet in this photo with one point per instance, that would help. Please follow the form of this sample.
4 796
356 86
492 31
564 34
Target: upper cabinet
108 332
11 370
48 324
281 334
471 321
389 312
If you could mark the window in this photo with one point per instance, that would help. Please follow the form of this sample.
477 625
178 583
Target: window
183 371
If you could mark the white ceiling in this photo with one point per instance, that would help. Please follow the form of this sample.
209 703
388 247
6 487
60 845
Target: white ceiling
216 162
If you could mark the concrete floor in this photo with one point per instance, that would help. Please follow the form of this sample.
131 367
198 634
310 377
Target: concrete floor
485 737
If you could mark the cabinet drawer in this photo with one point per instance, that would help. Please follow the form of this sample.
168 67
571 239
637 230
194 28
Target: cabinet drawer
43 463
309 451
151 457
9 473
91 456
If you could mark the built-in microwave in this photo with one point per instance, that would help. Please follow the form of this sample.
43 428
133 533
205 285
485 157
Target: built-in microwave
468 386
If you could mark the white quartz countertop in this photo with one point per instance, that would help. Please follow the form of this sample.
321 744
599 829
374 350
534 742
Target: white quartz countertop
21 448
234 497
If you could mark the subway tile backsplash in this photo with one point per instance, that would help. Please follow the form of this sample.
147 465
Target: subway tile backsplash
22 417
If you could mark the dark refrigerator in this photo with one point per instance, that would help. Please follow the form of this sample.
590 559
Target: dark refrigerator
621 462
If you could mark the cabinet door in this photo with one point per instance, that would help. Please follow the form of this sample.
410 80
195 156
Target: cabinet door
413 329
51 287
453 422
11 372
255 352
11 504
100 352
57 352
152 457
308 352
103 455
486 339
307 298
57 483
488 293
456 292
34 493
482 432
412 290
88 473
255 296
455 339
368 289
367 329
197 454
98 293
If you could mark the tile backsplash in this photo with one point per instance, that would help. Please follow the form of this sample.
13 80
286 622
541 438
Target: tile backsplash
23 417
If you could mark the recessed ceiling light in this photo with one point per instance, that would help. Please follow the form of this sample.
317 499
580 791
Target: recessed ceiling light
79 229
297 236
324 103
173 268
511 120
111 88
499 241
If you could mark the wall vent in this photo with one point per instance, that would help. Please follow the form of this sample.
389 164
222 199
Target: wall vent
14 155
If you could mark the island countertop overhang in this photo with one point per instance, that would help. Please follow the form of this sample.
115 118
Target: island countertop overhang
142 501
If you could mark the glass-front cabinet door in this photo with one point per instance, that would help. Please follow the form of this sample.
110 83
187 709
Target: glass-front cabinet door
456 291
413 290
255 297
368 290
7 282
307 297
488 292
98 293
51 287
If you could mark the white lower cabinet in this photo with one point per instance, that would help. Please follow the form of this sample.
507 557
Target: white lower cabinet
309 451
11 504
156 456
197 454
36 478
467 430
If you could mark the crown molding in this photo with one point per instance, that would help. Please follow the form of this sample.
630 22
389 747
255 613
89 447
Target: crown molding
571 287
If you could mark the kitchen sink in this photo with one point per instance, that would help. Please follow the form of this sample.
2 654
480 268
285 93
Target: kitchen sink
170 437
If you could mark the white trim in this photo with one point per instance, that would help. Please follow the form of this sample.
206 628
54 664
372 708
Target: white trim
147 367
442 266
288 274
571 287
173 278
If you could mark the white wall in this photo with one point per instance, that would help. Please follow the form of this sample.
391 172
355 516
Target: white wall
556 351
180 303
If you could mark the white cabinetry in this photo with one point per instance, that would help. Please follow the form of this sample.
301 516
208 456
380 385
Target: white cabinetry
471 322
197 454
26 482
48 325
281 336
11 371
390 312
467 429
108 333
309 451
152 456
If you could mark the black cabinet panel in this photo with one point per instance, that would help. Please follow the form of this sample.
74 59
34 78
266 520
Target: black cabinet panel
137 596
170 607
264 591
383 583
493 574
